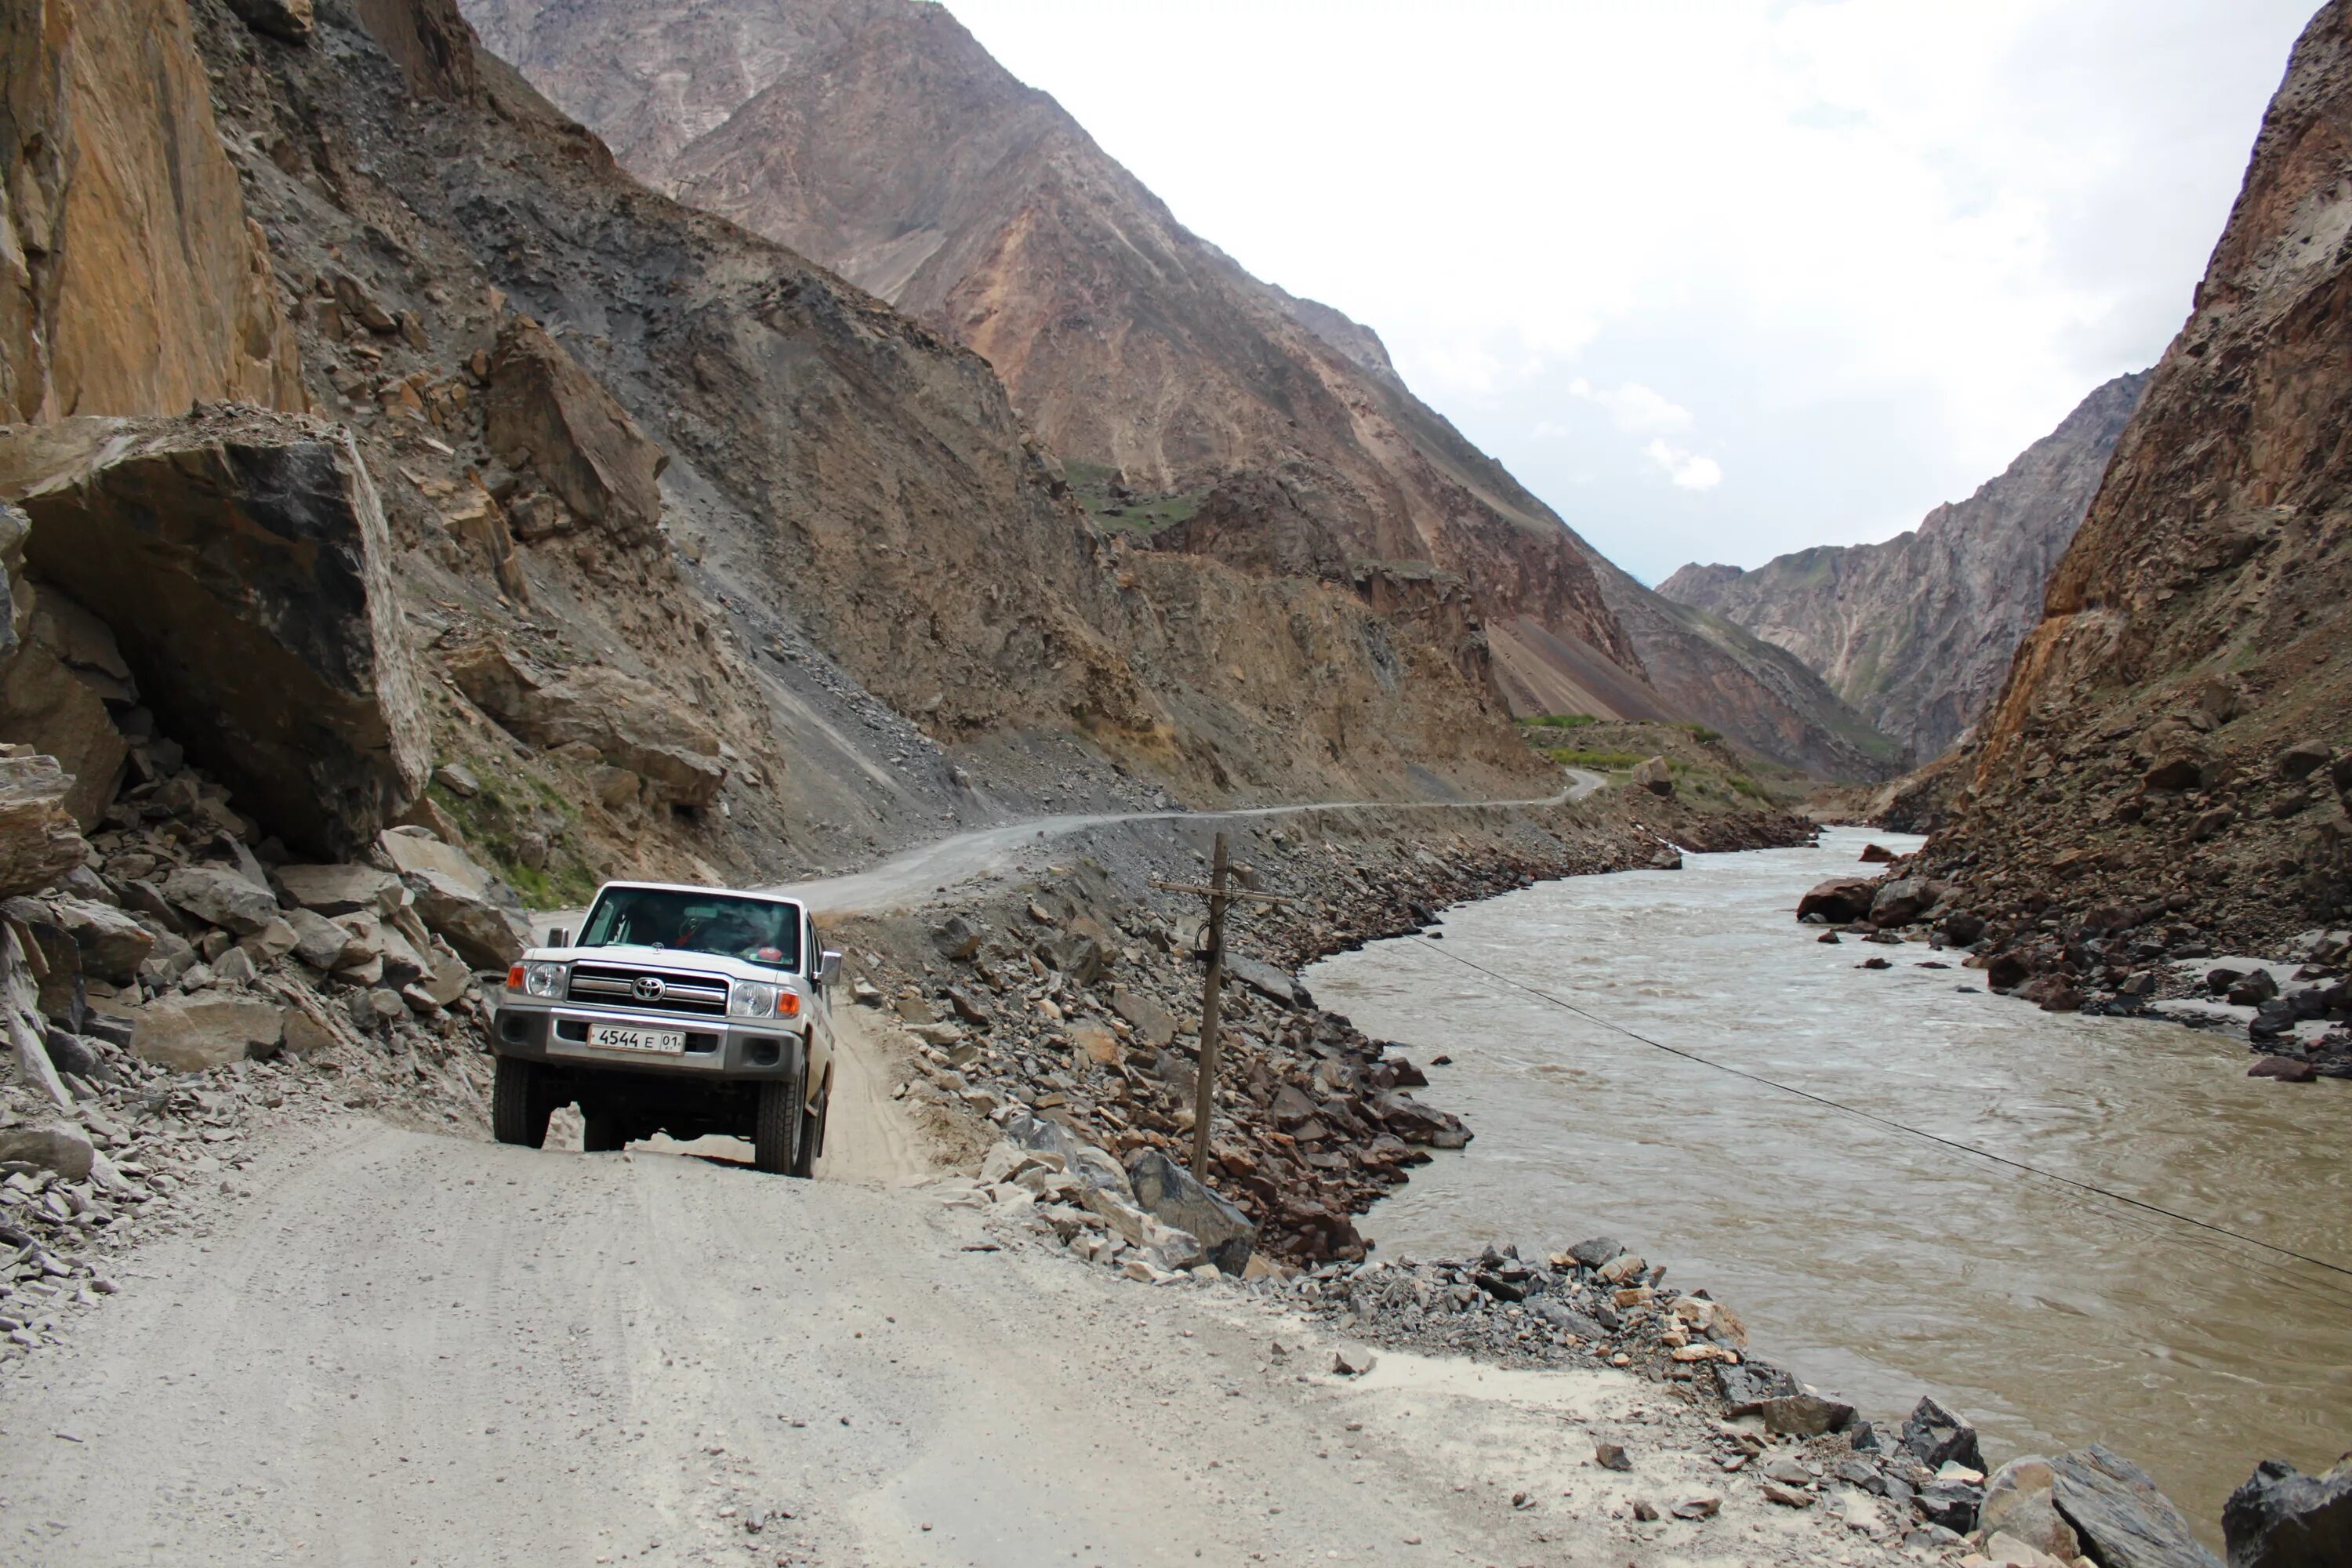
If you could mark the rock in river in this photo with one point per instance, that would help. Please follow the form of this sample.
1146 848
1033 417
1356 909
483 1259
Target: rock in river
2284 1518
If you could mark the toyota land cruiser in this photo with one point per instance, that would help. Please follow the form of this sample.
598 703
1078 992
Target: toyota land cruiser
683 1010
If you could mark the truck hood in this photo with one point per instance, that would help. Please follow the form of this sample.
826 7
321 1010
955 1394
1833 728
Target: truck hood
669 958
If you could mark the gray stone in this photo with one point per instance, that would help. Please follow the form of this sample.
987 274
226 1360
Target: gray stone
340 889
1275 985
458 780
2019 1502
2121 1517
113 944
484 935
271 942
220 896
235 967
955 939
1154 1024
1803 1415
189 1033
1171 1194
1900 903
52 1145
1652 774
1566 1319
1952 1504
1935 1437
1596 1251
321 942
2284 1518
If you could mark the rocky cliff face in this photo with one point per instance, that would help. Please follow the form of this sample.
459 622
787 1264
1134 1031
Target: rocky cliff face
130 280
687 557
877 137
2177 732
1916 634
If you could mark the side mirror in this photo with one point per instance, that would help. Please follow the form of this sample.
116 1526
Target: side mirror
828 968
559 937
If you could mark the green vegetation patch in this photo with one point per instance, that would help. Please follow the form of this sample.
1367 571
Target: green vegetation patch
1094 485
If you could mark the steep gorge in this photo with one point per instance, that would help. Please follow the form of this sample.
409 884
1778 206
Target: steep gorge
1916 632
877 137
2176 733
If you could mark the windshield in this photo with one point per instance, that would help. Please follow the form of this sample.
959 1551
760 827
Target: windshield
754 929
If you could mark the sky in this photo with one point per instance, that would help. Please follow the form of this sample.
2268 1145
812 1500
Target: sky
1716 279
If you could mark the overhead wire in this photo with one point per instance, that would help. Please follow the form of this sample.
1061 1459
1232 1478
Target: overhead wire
2080 1187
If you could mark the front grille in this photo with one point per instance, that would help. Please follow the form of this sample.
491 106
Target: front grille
616 987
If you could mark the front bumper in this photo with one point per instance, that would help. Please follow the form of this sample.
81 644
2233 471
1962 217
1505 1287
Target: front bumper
749 1051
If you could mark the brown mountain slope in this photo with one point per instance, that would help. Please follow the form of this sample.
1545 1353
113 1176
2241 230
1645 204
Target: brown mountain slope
2178 726
786 553
878 136
1916 632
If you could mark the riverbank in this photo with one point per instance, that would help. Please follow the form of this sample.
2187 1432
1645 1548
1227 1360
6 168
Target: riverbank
1876 1261
1068 984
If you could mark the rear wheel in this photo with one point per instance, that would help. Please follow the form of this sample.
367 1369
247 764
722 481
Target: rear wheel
519 1110
775 1127
603 1131
812 1133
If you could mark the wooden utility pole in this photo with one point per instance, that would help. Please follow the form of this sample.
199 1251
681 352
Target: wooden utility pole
1204 1087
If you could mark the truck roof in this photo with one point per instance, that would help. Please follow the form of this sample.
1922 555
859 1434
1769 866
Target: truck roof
700 888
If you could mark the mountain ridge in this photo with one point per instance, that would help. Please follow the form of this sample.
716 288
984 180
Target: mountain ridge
1915 632
880 139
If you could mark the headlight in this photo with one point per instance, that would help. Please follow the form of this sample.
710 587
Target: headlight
541 979
753 999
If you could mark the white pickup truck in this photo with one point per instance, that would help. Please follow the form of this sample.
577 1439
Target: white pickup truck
684 1010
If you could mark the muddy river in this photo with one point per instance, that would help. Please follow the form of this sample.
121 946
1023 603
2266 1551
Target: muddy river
1874 1262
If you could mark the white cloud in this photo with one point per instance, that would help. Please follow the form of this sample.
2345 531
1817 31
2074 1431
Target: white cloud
1878 246
1637 409
1687 469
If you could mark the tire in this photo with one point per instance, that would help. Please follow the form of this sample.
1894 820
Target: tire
604 1131
812 1144
775 1127
519 1110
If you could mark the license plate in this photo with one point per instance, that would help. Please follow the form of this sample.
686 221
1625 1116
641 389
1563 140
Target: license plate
619 1037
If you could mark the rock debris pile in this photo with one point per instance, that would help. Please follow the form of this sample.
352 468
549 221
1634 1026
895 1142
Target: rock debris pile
1076 1000
2123 959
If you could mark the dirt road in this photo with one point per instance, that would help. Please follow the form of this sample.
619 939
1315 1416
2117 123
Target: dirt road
414 1349
409 1348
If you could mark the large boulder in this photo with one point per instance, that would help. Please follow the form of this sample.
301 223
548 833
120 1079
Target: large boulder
630 725
2284 1518
547 415
39 840
2122 1519
1935 1437
1901 902
242 560
1171 1194
1839 901
209 1029
1652 774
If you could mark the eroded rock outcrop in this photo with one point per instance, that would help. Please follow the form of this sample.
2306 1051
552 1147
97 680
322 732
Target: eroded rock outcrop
132 281
240 559
1916 632
2200 629
621 721
549 415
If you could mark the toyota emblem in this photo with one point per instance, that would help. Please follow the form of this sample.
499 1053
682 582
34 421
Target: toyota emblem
648 988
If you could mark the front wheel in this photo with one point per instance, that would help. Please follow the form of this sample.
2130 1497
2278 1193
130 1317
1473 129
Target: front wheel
519 1111
812 1133
775 1128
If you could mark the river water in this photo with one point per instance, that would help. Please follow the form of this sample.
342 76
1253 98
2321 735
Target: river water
1875 1263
